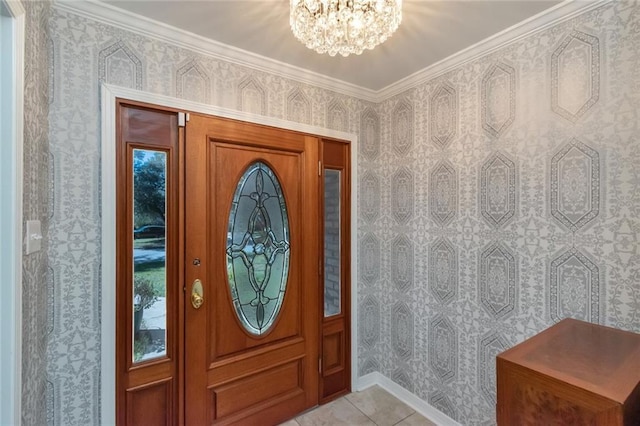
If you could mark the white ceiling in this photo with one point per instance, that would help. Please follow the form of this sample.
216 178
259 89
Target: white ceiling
430 31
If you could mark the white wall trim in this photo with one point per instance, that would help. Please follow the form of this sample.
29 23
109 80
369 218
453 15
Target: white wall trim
119 18
108 269
412 400
354 259
109 94
12 182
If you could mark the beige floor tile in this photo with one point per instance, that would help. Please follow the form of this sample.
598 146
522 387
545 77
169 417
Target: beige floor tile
381 407
338 412
291 422
415 420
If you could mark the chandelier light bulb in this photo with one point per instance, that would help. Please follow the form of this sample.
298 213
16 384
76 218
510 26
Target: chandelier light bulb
344 26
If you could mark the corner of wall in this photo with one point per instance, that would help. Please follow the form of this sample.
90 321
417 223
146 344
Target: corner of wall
421 406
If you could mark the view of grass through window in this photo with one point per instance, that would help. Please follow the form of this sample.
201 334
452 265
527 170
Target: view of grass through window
149 254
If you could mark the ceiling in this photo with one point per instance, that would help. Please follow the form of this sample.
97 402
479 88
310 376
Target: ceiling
430 31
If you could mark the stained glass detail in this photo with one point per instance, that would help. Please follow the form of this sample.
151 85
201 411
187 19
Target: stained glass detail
258 248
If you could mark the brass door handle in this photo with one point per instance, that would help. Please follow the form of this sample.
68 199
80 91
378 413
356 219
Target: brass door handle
197 298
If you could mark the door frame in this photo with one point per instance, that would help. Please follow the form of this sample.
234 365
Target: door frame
12 75
109 94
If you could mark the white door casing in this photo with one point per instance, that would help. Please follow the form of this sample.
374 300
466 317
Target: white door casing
12 41
108 320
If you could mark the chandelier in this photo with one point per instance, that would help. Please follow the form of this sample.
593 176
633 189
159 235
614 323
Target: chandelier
344 26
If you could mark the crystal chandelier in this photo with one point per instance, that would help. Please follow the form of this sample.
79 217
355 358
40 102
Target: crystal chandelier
344 26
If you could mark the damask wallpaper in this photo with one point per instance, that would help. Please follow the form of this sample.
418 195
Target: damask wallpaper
494 199
84 54
35 206
498 199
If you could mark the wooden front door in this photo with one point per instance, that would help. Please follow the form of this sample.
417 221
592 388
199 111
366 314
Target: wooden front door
220 249
252 272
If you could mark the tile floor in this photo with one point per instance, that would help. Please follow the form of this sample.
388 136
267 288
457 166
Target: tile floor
372 406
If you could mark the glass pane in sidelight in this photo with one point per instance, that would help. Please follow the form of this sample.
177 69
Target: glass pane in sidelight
258 248
331 242
149 254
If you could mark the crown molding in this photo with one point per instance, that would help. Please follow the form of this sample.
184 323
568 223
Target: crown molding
129 21
535 24
119 18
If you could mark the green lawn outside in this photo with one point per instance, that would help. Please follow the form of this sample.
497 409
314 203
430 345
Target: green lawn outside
154 272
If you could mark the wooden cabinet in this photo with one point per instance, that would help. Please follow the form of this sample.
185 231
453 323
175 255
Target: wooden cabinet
573 373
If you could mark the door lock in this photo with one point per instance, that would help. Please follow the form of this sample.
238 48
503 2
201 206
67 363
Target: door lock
197 298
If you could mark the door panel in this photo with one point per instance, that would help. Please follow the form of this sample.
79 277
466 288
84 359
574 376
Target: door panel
336 348
148 272
258 387
233 375
149 404
229 164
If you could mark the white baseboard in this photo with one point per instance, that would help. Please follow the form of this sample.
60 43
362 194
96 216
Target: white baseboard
413 401
367 381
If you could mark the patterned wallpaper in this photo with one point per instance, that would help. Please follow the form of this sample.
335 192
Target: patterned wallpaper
35 206
500 198
494 200
86 53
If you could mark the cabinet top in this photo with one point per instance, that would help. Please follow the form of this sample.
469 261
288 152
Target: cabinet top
598 359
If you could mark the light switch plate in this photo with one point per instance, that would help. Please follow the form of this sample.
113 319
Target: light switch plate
33 237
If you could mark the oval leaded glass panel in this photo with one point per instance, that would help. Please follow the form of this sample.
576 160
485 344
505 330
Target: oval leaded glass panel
258 248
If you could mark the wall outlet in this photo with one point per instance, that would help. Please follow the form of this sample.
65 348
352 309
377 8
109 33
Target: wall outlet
33 237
